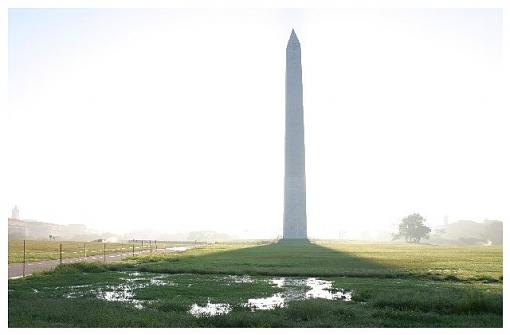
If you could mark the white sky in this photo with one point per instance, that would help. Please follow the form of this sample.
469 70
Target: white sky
173 120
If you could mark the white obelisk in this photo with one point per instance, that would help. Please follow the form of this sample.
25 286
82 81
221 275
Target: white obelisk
294 216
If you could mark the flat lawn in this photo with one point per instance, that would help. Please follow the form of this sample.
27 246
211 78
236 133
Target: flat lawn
392 285
47 250
341 259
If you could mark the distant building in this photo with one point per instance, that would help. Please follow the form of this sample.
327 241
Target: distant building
15 213
31 229
21 229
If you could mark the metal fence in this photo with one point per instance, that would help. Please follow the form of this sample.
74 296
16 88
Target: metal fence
56 251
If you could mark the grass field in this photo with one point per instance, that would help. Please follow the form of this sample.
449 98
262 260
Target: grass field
392 285
46 250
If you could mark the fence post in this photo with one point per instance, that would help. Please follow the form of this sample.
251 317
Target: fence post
133 249
104 253
24 256
156 243
121 250
150 246
84 251
60 253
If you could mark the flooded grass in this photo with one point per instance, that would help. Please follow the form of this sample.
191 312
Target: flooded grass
210 297
290 289
129 295
298 289
134 288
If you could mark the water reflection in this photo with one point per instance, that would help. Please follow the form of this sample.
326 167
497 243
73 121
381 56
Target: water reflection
272 302
322 289
120 294
123 292
209 309
298 289
289 289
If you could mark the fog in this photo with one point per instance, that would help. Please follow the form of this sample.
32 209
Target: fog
168 122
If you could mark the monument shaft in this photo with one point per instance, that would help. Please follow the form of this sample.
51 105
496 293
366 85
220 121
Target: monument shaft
294 217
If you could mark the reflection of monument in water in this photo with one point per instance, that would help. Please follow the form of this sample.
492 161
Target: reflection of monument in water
294 217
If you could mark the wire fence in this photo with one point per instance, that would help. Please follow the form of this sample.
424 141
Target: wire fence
27 251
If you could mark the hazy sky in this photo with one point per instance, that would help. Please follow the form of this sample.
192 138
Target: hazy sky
174 119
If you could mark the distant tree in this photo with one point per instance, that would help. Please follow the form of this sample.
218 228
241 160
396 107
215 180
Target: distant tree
412 228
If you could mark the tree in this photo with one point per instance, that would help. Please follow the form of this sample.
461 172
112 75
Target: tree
412 228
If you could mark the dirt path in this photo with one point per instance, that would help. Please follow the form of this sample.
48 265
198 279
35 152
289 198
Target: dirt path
16 269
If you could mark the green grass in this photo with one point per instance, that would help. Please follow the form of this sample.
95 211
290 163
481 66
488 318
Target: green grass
393 285
47 250
459 263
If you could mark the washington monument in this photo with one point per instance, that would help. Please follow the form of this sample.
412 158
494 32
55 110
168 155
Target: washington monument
294 215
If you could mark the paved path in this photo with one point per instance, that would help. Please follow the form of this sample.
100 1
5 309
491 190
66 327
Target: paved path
16 269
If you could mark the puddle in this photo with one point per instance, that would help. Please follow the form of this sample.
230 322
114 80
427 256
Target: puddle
158 281
275 301
289 289
298 289
292 289
278 282
118 293
322 289
210 309
134 274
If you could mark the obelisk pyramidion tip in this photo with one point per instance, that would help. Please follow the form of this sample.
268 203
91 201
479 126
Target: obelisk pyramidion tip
293 38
